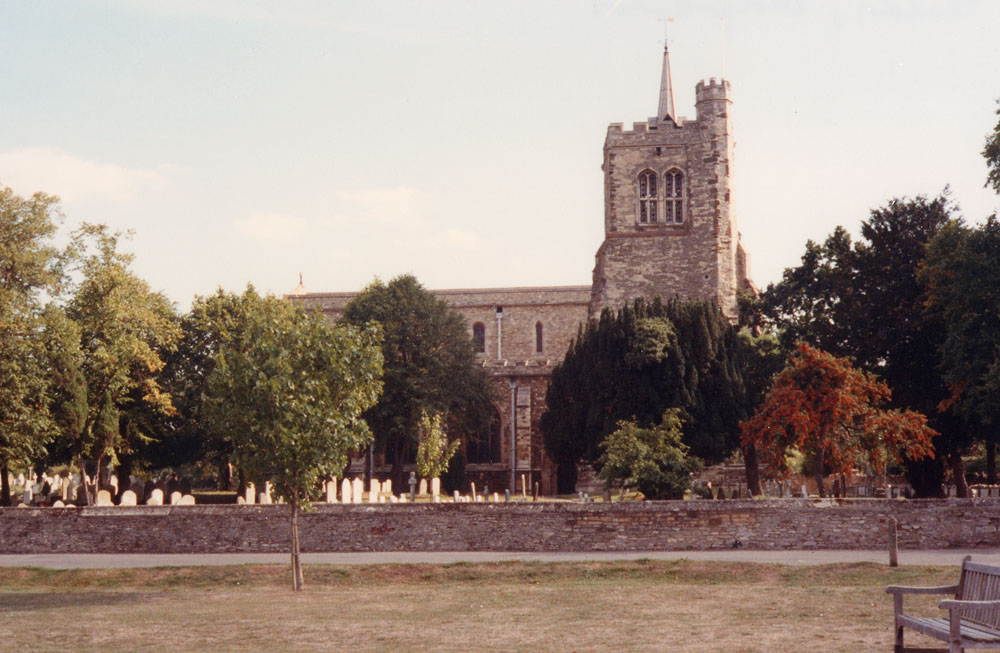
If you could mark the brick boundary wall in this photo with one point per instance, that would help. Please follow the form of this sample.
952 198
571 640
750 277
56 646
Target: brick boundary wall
646 526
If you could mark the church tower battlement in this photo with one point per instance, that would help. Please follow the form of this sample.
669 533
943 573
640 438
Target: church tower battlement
669 226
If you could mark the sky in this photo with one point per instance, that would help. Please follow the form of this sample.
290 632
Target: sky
461 141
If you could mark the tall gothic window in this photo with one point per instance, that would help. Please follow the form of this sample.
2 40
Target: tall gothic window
647 197
479 337
484 447
673 196
538 337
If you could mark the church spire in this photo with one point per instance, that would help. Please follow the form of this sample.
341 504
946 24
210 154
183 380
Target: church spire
666 109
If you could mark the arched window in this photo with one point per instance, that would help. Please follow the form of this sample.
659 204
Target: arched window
538 337
673 194
647 197
479 337
484 447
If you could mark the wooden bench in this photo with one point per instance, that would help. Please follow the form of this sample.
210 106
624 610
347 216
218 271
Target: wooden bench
973 615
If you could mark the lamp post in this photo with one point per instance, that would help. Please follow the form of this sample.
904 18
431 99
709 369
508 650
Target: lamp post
513 433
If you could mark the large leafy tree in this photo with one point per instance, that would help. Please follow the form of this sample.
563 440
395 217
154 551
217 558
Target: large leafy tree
821 404
991 152
126 330
635 363
430 367
29 269
290 390
214 321
865 300
963 276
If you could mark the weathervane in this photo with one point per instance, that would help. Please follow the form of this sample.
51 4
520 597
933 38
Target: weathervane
665 21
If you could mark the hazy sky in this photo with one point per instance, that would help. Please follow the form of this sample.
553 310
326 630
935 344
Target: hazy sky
461 141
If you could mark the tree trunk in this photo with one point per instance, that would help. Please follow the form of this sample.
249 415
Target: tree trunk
225 482
124 471
4 484
819 473
991 462
958 472
752 470
297 580
88 500
241 488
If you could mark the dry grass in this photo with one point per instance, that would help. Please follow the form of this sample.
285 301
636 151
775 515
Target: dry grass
631 606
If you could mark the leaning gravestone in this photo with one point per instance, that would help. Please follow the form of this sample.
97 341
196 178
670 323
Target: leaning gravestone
155 497
128 498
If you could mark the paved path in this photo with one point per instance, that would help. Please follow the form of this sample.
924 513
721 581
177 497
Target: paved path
947 557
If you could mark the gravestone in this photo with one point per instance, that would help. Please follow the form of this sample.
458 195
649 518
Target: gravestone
104 498
435 486
128 498
357 489
155 497
58 504
250 495
458 497
266 499
331 491
175 498
423 487
28 495
496 498
186 500
113 482
345 491
374 489
387 486
403 499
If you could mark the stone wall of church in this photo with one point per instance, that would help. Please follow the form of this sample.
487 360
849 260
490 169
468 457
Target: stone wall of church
779 524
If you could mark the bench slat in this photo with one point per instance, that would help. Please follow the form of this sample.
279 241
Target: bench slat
941 629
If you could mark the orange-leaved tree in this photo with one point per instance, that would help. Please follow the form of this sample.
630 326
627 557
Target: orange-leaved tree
821 404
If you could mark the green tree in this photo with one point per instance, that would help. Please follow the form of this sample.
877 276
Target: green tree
652 459
214 321
29 269
865 300
290 391
126 329
991 152
635 363
434 451
430 366
962 272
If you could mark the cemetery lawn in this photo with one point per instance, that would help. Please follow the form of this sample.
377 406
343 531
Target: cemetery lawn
629 605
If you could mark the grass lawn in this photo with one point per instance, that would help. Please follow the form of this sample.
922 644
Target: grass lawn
512 606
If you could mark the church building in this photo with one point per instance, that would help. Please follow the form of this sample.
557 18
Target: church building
669 230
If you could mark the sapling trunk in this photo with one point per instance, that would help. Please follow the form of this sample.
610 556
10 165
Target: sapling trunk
297 580
4 485
819 473
958 472
752 470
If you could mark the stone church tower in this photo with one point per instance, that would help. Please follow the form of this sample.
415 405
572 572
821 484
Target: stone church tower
669 228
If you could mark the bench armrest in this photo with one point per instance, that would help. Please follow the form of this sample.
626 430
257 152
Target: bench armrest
902 589
962 606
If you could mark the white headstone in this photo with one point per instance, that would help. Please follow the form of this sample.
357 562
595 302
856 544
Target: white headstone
241 501
331 491
345 491
266 495
104 498
436 498
423 486
357 489
251 495
403 498
28 495
387 486
373 491
496 498
458 497
128 498
435 486
186 500
155 497
58 504
113 482
175 498
393 499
